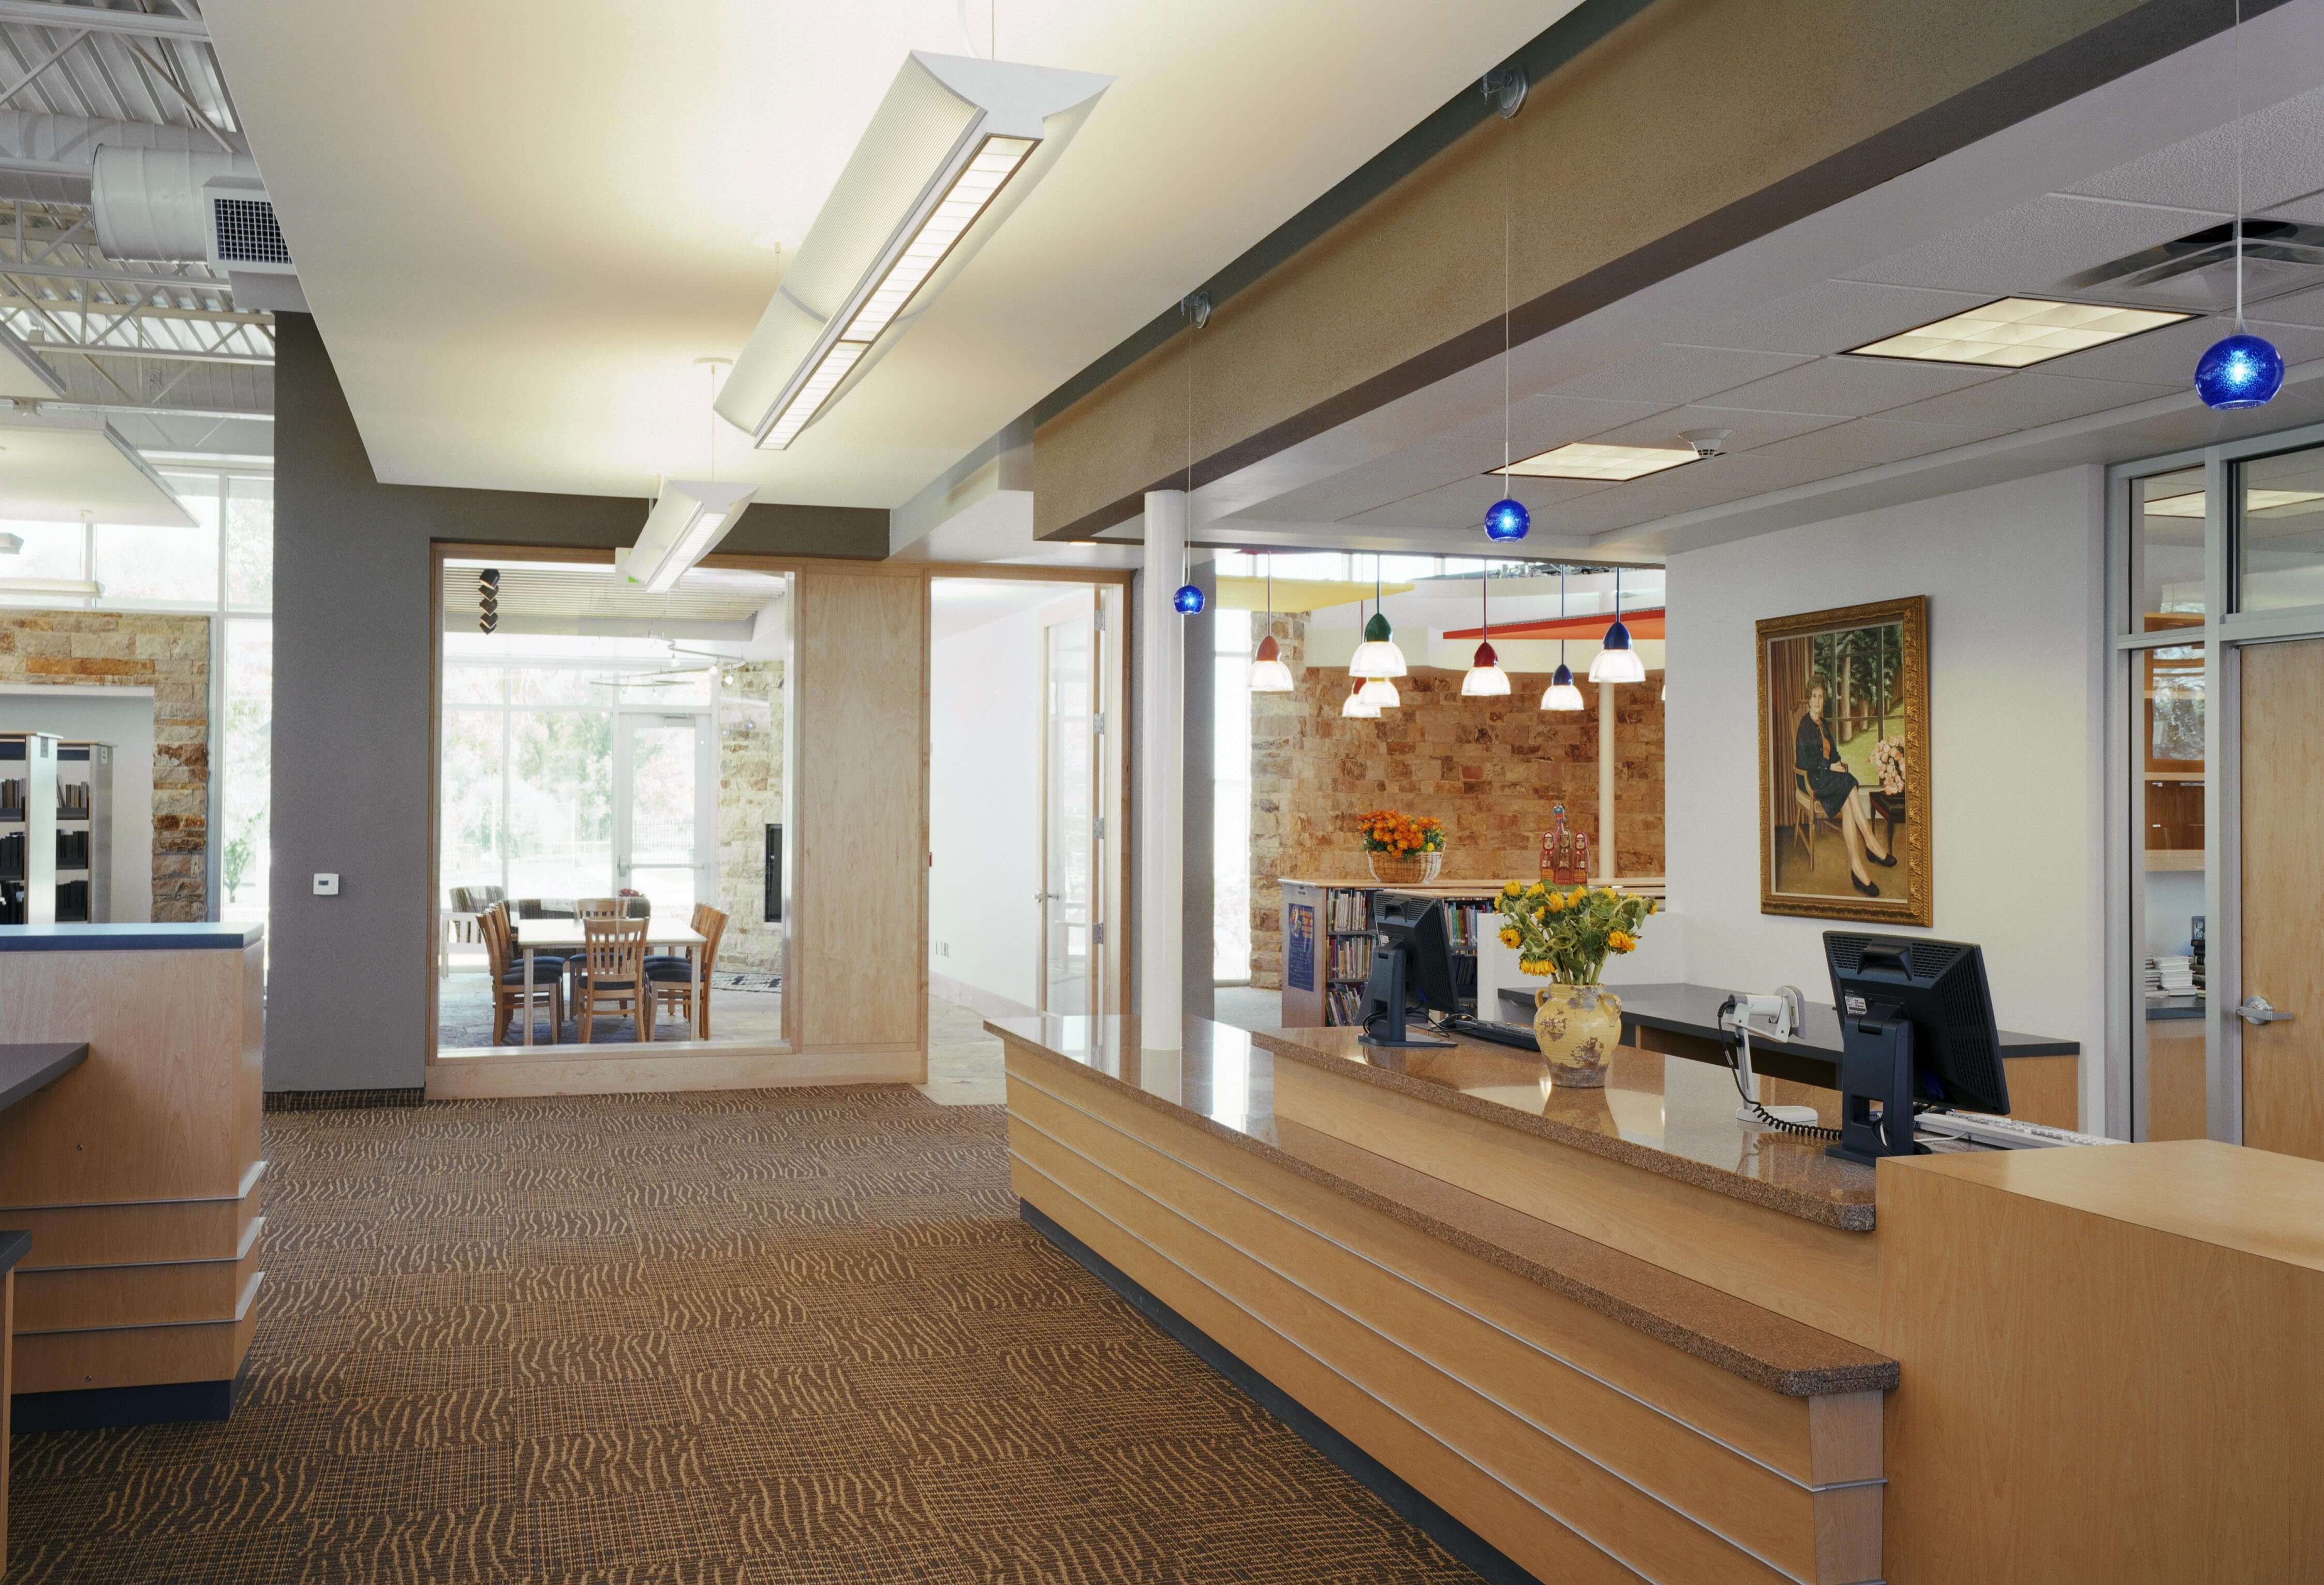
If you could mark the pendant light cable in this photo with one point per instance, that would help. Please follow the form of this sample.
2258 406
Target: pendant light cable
1508 165
1561 618
2236 47
1484 600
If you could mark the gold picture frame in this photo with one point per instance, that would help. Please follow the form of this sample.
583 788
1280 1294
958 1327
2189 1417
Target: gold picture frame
1821 842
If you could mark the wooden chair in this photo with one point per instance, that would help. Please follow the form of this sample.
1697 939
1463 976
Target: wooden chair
611 969
671 974
508 978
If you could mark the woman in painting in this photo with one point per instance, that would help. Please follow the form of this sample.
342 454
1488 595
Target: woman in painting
1836 789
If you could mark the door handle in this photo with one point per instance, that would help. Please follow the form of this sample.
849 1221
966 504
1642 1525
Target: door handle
2256 1010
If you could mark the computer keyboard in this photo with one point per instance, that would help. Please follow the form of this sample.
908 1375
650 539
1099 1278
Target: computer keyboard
1519 1035
2001 1133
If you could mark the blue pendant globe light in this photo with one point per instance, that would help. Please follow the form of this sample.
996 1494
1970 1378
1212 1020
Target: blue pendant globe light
1560 694
1507 519
1189 600
2242 370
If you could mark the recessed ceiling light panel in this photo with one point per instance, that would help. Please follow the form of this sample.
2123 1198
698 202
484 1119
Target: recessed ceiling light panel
955 145
1588 459
2018 331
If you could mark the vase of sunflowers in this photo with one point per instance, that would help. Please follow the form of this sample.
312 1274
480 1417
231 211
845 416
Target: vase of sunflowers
1565 935
1404 849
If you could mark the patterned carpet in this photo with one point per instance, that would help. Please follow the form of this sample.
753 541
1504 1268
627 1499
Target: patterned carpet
786 1336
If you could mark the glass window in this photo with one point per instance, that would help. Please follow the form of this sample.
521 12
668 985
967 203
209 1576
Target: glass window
471 832
246 793
2167 878
1230 801
249 542
2166 550
557 685
176 566
2280 531
561 803
472 684
51 550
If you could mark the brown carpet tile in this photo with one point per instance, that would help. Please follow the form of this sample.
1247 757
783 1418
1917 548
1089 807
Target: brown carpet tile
787 1336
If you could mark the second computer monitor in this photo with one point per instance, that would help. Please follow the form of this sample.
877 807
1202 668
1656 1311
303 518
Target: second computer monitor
1416 927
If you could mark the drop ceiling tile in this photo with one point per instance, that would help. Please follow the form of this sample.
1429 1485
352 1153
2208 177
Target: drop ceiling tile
2026 401
1747 428
1538 423
1464 504
1674 373
2167 357
2282 149
1867 443
2031 248
2293 308
1832 316
1854 387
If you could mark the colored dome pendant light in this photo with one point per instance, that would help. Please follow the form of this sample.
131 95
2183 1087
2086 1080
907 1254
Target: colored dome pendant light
1486 680
1377 657
1507 519
2241 370
1268 674
1560 694
1356 706
1617 662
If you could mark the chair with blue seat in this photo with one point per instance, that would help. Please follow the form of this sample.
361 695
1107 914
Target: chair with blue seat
672 974
508 977
609 974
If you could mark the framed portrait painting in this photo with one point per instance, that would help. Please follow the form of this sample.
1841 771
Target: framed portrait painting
1844 763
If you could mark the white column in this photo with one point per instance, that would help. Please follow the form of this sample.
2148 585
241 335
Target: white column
1606 696
1162 777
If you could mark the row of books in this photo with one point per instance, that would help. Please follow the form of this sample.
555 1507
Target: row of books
1461 925
72 849
72 902
2172 977
1345 1004
1351 956
1346 911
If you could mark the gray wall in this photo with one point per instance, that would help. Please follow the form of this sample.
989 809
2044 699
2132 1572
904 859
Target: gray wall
348 983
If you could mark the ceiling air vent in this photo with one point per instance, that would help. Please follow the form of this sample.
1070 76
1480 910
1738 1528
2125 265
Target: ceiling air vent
2196 274
244 232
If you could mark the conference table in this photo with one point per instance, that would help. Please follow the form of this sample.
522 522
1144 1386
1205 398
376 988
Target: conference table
568 935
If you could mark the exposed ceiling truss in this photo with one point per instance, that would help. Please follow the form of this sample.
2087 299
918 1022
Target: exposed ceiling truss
124 337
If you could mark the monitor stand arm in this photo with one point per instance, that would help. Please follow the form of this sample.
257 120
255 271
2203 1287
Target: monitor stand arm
1876 1065
1398 1036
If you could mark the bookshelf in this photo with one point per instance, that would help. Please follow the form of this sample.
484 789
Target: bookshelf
1327 943
28 829
83 833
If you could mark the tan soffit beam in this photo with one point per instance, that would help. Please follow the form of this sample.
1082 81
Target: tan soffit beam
1686 131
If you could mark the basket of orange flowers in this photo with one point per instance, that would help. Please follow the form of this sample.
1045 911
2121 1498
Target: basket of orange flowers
1404 850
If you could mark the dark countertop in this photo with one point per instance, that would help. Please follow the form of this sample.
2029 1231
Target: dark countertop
126 938
2175 1008
14 1248
1223 1080
1810 1056
25 1068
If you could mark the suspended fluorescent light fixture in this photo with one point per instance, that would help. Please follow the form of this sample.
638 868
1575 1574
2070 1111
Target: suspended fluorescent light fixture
1618 661
1486 680
690 516
1560 694
953 148
1378 656
1268 674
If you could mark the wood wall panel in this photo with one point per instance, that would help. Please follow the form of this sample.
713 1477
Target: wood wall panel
1825 1277
166 1107
2283 896
175 1294
136 1235
859 949
137 1356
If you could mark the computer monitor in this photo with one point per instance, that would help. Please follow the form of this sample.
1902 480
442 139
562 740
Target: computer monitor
1916 1025
1411 962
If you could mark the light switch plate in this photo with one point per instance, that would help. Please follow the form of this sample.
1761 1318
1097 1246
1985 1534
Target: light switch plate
327 884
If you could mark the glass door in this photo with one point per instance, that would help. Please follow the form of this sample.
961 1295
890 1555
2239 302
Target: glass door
1069 839
660 785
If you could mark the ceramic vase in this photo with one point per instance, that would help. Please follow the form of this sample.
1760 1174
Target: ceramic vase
1405 869
1577 1026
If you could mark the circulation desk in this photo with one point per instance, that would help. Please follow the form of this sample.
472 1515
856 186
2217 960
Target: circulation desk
1616 1335
136 1174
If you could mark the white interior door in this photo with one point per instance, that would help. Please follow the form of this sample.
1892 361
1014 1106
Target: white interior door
1070 845
664 810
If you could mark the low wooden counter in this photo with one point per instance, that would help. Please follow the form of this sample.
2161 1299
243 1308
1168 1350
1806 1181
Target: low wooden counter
137 1171
1616 1335
1589 1413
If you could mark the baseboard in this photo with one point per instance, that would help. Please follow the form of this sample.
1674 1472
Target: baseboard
98 1408
1481 1556
584 1071
961 993
336 1100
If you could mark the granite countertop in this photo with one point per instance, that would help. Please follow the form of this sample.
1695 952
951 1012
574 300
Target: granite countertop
126 938
1693 1009
26 1068
14 1248
2175 1008
1223 1080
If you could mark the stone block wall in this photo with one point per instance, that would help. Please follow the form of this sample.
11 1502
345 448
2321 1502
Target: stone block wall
171 654
1491 769
750 795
